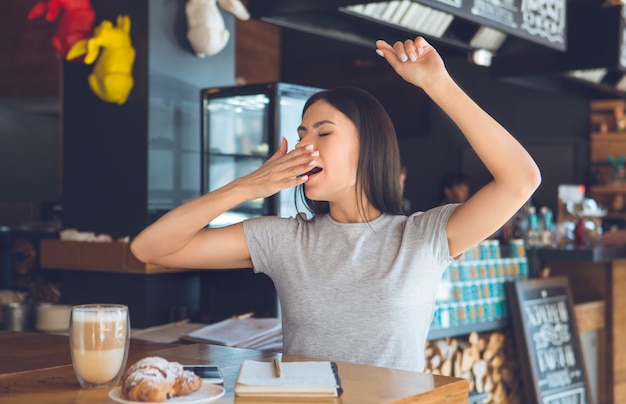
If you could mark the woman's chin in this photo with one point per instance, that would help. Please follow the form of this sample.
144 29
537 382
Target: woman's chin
311 194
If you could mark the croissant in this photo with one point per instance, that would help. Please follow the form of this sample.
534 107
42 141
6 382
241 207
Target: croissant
155 379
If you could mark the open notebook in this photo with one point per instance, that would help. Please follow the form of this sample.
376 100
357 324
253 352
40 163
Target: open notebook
297 379
252 333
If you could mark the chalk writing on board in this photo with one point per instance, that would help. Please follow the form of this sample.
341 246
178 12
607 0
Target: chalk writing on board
548 326
500 11
546 333
545 18
453 3
540 21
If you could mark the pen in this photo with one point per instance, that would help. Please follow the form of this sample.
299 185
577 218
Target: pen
243 316
277 367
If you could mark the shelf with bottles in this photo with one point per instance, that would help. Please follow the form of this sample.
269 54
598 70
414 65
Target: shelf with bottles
611 197
607 150
607 189
608 117
472 293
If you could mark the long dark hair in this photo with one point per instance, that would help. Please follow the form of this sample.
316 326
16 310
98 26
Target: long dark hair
378 171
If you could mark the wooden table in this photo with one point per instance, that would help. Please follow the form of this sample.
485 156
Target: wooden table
36 368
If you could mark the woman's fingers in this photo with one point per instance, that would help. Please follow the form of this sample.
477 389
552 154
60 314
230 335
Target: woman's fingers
300 161
282 149
284 170
410 49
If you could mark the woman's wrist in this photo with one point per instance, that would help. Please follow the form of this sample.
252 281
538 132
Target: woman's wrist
445 92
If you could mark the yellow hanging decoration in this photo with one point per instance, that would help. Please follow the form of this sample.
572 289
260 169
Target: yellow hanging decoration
111 79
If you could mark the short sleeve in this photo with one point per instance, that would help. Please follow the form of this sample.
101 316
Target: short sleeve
430 227
266 236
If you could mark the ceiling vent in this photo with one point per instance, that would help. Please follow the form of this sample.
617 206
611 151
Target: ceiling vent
406 14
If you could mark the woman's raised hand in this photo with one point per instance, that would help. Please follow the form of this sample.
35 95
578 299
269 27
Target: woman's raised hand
416 61
282 170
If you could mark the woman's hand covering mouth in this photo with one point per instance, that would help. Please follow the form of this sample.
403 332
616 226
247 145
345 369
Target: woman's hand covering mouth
312 171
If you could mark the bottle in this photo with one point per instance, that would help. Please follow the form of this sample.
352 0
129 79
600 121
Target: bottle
533 235
547 226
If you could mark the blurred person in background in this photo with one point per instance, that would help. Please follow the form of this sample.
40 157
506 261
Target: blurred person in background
455 188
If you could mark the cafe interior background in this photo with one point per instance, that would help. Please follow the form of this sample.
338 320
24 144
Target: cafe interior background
70 159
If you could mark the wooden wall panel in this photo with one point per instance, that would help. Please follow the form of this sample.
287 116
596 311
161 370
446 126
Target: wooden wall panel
29 65
618 284
257 47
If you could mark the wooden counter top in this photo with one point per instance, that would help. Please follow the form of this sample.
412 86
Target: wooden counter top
46 375
100 257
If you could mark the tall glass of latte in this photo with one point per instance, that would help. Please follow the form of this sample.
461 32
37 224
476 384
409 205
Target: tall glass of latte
99 340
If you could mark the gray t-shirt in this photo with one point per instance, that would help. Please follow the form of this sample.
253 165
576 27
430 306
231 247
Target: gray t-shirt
355 292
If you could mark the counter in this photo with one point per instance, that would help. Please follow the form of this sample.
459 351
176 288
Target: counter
109 272
595 274
37 368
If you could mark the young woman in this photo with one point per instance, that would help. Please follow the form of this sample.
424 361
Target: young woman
357 282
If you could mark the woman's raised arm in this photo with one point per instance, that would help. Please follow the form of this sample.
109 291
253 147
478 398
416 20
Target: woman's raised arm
515 174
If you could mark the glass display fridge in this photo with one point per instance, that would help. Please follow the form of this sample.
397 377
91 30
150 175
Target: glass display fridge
242 127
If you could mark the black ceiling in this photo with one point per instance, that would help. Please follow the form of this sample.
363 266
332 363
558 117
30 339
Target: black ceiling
593 41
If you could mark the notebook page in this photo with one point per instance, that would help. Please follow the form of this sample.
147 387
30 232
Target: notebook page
233 332
292 374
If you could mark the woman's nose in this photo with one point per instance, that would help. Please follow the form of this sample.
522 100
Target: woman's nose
305 145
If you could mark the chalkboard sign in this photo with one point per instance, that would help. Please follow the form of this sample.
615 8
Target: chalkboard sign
542 22
548 345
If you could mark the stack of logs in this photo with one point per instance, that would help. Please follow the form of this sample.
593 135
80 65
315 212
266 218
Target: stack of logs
488 361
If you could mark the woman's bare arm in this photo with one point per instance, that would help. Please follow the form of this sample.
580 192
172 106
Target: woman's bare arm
515 174
181 239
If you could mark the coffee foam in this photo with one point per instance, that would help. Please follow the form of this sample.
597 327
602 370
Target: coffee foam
99 315
94 329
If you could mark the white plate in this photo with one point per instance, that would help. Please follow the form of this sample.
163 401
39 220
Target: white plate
208 392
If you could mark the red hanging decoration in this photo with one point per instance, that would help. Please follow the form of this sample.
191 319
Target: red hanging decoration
75 23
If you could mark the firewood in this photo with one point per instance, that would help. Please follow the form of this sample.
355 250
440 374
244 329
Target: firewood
507 375
494 345
446 367
482 344
473 338
513 399
495 366
488 386
487 361
435 362
467 360
453 343
470 379
497 361
444 349
430 349
457 364
499 394
479 369
474 352
495 375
